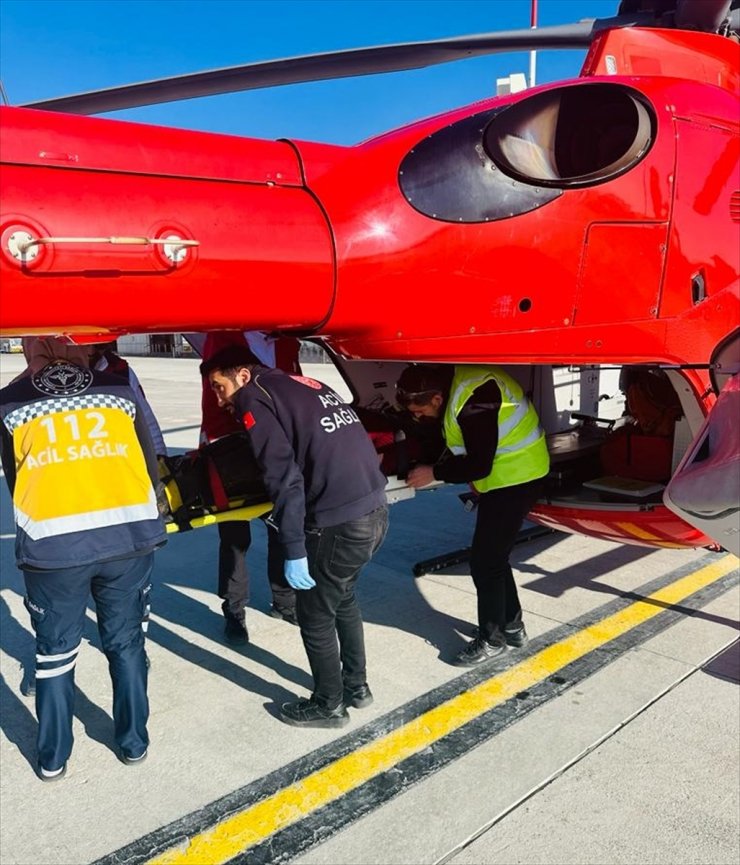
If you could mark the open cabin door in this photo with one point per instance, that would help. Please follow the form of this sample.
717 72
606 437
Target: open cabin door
705 489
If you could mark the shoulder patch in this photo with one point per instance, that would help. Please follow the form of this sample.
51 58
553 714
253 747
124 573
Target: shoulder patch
62 379
248 420
309 382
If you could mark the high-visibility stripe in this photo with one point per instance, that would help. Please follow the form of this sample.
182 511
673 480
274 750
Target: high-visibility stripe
524 443
55 671
37 529
256 823
520 412
42 659
638 532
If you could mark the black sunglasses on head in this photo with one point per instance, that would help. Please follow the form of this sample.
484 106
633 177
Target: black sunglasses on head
406 398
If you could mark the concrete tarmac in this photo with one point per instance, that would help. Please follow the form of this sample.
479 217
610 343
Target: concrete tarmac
612 738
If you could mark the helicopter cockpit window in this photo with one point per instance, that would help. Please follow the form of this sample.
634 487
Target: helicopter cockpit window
571 136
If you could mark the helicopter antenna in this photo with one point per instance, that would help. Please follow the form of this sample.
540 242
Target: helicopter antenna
532 53
3 94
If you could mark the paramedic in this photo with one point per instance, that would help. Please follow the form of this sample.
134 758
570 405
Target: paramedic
235 536
495 443
322 475
104 358
81 471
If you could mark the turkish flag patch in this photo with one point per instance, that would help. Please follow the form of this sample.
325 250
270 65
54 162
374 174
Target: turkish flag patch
248 420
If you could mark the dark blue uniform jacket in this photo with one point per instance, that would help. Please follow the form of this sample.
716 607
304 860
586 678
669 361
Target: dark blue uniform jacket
320 468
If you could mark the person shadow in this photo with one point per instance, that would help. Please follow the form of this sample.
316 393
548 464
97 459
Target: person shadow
184 571
18 718
439 519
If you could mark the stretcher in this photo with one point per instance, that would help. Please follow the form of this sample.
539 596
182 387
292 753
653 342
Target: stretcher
396 490
243 512
199 491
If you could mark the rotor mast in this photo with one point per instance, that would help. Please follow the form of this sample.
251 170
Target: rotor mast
532 53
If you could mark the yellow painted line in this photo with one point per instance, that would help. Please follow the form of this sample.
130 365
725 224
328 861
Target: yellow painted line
258 822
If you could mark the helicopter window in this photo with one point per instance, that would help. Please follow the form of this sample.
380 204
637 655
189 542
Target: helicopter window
571 136
449 177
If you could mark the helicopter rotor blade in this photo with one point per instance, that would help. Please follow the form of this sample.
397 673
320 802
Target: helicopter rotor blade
331 65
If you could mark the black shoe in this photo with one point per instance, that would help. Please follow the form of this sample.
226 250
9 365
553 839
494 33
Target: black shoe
285 614
235 629
358 696
132 761
516 637
307 713
479 650
48 775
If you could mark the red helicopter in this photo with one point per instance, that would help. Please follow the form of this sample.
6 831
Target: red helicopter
562 231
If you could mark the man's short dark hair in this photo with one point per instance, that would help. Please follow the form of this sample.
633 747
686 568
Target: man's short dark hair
420 381
229 359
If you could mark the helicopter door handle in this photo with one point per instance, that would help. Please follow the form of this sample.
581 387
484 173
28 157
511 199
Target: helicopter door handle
24 247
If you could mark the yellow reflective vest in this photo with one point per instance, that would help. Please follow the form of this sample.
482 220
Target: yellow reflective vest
82 490
521 455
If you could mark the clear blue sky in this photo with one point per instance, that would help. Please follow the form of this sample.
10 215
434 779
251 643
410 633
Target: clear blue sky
58 47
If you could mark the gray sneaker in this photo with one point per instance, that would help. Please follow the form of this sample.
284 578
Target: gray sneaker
515 636
479 651
357 696
285 614
308 713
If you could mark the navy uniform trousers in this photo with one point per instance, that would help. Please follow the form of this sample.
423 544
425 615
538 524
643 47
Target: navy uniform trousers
235 536
57 601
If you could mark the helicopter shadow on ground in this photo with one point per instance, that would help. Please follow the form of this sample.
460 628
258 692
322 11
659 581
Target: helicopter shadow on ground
725 665
587 574
584 573
436 523
17 718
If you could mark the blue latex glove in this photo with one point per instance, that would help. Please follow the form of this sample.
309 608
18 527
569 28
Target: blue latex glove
296 573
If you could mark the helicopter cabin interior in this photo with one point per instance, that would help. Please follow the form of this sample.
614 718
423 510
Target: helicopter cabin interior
615 436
